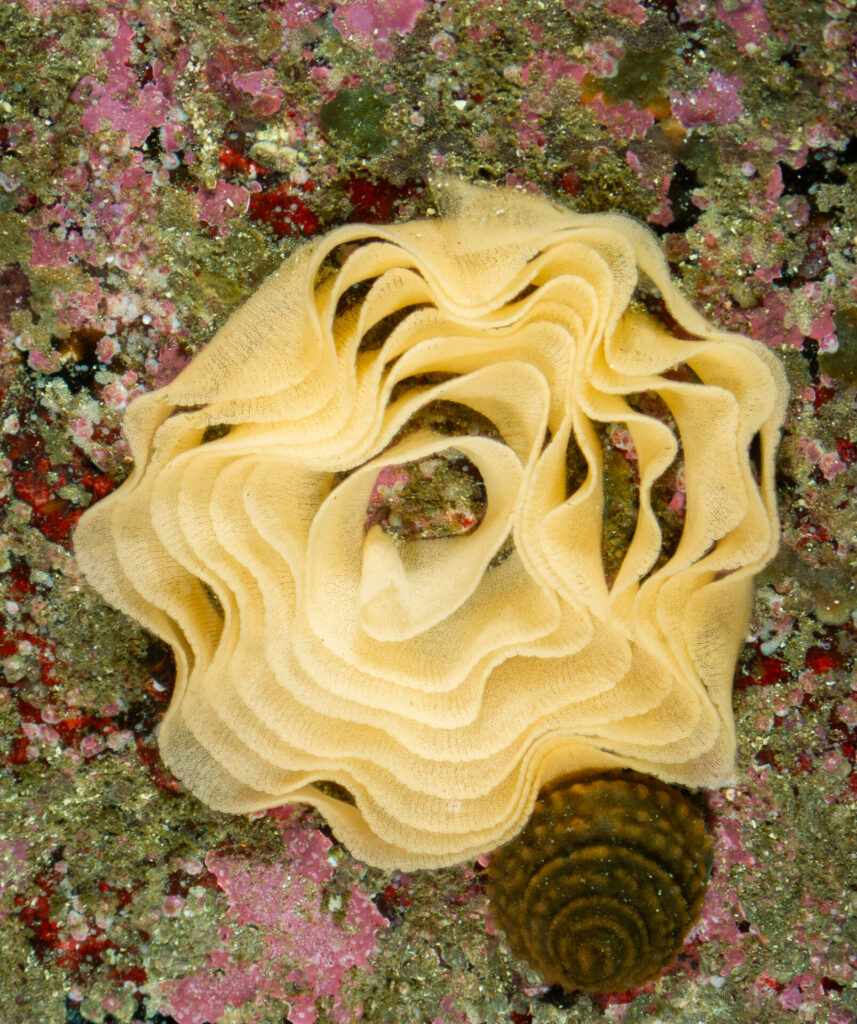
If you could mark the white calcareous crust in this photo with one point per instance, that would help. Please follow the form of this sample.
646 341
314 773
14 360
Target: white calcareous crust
440 684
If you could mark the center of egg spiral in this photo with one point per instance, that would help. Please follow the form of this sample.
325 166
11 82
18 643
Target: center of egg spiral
439 496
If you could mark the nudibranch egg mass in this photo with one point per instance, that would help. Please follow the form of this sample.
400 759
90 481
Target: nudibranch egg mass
443 681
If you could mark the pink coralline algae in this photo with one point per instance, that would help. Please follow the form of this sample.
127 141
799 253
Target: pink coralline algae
602 58
657 183
120 102
262 85
249 89
718 102
628 9
48 9
747 19
370 23
109 229
223 203
788 317
767 323
539 75
297 13
774 187
822 327
305 947
167 367
543 71
830 464
722 915
622 120
13 868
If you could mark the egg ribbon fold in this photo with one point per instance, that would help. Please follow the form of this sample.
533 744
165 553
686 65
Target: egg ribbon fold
440 684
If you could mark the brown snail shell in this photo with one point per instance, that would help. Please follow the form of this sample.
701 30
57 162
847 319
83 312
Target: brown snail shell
599 889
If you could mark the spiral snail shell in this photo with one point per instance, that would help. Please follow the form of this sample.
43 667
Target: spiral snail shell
599 889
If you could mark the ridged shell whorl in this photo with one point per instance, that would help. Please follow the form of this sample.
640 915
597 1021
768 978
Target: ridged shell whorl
600 888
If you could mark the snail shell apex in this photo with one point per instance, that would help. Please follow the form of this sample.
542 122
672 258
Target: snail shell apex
599 889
